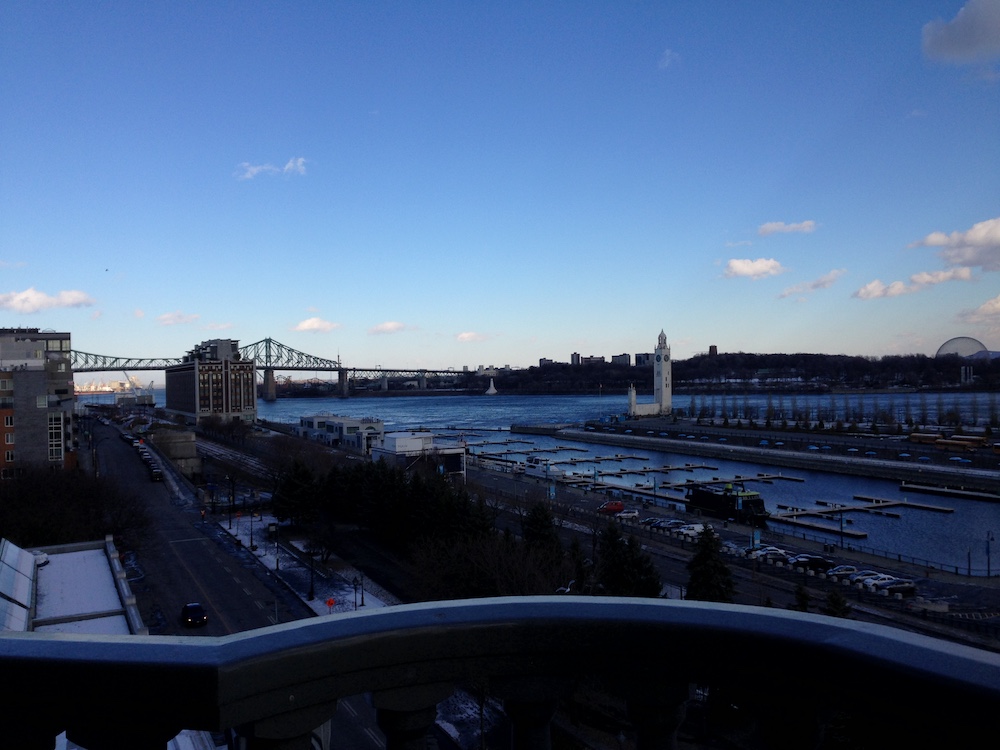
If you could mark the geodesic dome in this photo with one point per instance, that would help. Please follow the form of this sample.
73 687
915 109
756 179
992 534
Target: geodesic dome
963 346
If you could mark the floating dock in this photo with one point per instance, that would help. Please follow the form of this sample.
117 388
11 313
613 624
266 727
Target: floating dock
930 489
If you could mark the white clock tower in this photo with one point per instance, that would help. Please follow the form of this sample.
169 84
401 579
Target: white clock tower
662 386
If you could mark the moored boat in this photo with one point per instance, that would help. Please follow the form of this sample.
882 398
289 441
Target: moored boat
732 501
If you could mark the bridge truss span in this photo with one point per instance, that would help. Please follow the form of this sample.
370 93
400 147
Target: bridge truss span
86 362
271 356
274 355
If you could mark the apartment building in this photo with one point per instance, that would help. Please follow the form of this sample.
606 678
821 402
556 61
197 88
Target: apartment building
36 400
213 380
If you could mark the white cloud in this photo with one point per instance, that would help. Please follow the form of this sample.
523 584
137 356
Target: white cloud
390 326
754 269
929 278
918 281
973 35
987 313
316 325
979 246
295 165
471 336
780 227
218 326
14 264
668 58
139 313
876 289
176 318
249 171
823 282
31 300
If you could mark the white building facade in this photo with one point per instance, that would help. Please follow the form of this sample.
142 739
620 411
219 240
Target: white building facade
403 449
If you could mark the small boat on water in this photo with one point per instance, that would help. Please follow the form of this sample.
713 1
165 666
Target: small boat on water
534 466
733 501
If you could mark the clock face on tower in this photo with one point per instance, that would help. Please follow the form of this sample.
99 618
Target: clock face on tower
657 357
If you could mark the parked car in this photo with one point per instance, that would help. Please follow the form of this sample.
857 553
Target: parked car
810 562
861 575
627 515
193 615
873 581
611 506
669 523
763 553
842 571
649 521
693 530
900 586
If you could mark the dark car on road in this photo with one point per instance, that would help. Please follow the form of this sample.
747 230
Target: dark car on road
193 615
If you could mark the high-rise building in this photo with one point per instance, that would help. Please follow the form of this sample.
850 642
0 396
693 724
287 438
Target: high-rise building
36 400
213 380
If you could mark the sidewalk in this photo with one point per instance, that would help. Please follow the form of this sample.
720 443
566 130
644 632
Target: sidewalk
332 583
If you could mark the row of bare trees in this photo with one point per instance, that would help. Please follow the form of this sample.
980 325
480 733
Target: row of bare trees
40 507
457 544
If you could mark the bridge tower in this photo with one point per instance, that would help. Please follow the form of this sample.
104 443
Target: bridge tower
270 386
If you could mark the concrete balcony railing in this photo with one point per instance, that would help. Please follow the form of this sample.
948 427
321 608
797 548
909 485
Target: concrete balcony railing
793 671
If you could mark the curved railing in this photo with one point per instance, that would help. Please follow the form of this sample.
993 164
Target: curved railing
278 683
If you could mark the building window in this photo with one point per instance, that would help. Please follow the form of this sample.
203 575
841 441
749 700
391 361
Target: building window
8 456
55 436
8 420
42 402
8 438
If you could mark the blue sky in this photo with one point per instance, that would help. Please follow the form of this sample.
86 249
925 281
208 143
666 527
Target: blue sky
449 184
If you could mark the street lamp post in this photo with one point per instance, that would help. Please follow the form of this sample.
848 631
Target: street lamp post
312 588
273 529
362 589
989 538
355 583
232 498
93 458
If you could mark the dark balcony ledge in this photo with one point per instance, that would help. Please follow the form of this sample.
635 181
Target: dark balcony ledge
289 677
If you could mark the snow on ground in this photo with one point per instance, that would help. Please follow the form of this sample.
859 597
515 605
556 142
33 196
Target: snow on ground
338 587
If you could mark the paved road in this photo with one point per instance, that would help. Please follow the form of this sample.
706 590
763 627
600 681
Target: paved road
183 558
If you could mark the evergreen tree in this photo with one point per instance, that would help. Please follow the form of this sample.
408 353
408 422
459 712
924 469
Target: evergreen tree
801 599
296 497
538 530
710 578
836 605
623 569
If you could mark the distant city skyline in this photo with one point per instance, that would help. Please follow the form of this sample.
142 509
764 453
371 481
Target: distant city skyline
451 184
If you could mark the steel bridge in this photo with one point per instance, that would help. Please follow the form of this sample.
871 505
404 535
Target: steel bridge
270 356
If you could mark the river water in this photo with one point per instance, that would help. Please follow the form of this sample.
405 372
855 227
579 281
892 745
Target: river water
955 540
